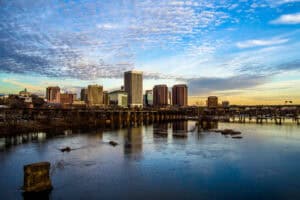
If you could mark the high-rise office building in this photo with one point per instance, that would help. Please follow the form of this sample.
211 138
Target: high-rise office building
133 85
53 94
212 102
160 95
180 95
105 98
83 94
148 98
95 95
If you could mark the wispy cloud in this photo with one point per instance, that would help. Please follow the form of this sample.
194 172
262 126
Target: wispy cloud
200 86
260 43
287 19
96 39
280 2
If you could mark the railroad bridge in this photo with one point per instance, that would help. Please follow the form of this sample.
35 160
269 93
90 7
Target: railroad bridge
257 114
126 117
97 117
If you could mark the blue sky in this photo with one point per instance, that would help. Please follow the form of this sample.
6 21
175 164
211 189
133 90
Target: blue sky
243 51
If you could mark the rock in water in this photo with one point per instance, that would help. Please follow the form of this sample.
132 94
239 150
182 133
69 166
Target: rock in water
113 143
37 178
230 132
67 149
237 137
227 131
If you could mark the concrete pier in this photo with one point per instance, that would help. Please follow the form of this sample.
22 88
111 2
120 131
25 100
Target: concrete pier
36 177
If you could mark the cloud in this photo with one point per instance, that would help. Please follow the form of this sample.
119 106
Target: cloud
280 2
260 43
108 26
289 66
287 19
200 86
96 39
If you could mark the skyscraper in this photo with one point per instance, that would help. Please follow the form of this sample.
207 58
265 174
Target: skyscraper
95 95
83 94
160 95
180 95
149 98
53 94
133 85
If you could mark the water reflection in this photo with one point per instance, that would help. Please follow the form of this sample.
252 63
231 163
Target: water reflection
208 125
266 160
9 141
160 129
40 195
133 140
180 128
68 132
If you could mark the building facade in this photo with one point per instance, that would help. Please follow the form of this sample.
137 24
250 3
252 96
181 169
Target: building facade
180 95
95 95
83 94
160 95
24 93
148 97
53 94
105 98
133 85
66 98
212 102
118 98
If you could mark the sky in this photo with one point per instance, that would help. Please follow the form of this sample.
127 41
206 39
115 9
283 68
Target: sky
246 52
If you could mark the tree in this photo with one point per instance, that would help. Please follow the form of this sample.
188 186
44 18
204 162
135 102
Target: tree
37 101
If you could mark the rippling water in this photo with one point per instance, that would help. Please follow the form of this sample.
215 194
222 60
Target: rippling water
152 162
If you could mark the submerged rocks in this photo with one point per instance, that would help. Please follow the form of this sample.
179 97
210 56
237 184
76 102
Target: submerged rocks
236 137
66 149
226 132
230 132
113 143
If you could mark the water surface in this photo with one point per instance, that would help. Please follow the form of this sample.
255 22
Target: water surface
151 163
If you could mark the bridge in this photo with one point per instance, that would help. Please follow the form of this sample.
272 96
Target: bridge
248 114
36 118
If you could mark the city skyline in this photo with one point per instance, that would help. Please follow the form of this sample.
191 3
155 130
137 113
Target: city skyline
246 52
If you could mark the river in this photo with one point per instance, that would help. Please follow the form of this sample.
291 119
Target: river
151 163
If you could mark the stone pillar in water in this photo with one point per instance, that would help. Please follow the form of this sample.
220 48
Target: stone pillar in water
36 177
